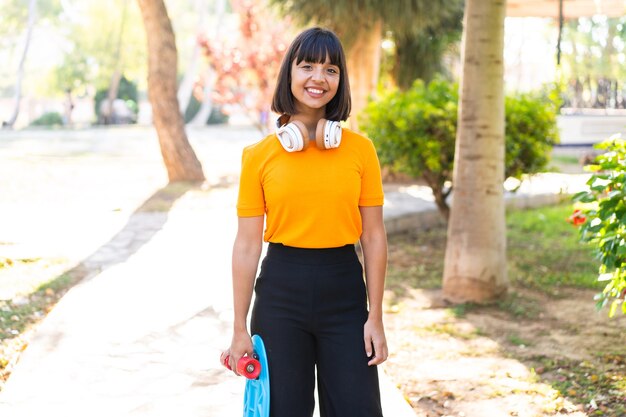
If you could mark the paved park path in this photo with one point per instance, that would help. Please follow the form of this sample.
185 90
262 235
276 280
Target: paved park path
141 334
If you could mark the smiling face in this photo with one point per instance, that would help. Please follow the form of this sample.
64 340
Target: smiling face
313 77
314 84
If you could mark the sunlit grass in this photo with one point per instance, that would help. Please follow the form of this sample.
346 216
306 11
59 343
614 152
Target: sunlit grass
543 253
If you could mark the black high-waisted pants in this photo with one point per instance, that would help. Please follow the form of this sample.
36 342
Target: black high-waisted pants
310 309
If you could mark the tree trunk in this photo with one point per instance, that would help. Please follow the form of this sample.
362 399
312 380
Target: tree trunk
440 194
201 118
186 85
475 260
32 11
109 115
363 60
180 160
107 111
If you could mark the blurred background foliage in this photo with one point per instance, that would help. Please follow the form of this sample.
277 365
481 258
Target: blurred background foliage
229 53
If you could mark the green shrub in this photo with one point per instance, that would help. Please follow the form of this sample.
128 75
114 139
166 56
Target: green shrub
127 91
602 220
415 131
51 118
530 132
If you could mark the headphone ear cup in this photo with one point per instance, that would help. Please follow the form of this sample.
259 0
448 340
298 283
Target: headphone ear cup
293 136
328 134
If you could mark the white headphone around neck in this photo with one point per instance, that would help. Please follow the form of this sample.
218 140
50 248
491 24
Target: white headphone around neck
294 136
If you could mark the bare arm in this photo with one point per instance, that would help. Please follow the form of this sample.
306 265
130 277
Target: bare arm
374 245
246 254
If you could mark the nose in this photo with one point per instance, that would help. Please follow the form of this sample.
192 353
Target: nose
318 74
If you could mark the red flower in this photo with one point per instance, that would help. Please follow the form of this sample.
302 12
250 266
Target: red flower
577 218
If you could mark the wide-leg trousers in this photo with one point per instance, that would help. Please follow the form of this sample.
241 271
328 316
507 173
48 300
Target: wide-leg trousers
310 308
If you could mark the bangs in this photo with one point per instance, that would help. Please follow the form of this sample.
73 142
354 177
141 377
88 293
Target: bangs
315 49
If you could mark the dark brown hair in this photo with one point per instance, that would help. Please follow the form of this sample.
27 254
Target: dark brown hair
313 45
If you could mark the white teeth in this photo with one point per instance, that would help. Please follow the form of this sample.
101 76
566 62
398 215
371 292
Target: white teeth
315 91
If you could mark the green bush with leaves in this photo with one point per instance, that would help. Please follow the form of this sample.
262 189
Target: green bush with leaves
415 132
602 220
531 132
51 118
127 91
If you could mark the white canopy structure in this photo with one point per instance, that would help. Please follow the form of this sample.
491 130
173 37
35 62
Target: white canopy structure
571 8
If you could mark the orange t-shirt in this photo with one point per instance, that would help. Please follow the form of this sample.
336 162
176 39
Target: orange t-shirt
311 198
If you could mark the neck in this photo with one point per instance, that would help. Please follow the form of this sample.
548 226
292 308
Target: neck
310 118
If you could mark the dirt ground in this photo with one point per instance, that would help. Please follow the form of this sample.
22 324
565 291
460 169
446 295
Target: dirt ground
489 363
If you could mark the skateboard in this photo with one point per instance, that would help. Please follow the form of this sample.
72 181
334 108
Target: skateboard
256 397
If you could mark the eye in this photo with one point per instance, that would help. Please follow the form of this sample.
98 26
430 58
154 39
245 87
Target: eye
306 66
333 70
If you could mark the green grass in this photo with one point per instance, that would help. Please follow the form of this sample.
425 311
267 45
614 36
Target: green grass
15 317
543 253
416 260
518 341
566 159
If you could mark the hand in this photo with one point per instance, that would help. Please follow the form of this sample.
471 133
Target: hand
375 341
240 345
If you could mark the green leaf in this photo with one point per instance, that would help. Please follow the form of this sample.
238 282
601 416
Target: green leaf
580 195
613 308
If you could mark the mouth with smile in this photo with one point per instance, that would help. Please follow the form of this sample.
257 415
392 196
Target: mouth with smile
315 92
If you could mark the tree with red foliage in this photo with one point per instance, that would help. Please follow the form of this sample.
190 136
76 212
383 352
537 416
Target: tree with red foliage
246 68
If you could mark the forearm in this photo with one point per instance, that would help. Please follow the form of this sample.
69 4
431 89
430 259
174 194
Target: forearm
244 266
374 248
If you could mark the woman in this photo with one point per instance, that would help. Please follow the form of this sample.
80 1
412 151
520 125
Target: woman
319 190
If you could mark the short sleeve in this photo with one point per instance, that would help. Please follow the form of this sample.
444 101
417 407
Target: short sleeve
251 201
371 179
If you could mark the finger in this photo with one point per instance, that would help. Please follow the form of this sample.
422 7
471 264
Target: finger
224 355
378 354
381 353
233 365
368 346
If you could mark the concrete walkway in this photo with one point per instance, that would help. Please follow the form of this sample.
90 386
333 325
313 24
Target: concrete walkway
142 333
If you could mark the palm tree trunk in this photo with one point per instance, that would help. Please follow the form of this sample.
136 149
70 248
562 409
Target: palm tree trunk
109 115
201 118
32 11
180 159
363 60
475 260
186 85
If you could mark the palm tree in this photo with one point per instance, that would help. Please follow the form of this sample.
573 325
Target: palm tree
32 14
420 55
475 260
360 25
180 160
